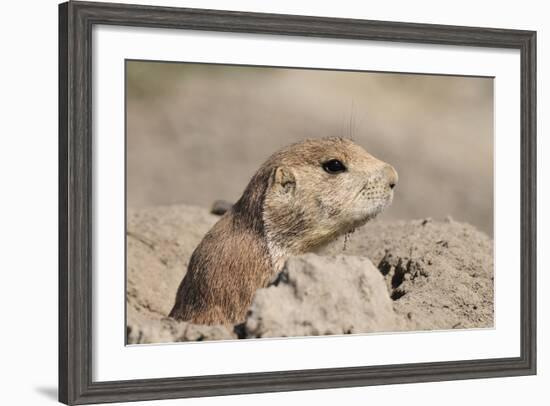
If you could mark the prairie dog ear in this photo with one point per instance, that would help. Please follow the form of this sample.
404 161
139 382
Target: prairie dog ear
283 180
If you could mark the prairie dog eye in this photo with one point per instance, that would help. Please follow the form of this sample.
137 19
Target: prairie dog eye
334 166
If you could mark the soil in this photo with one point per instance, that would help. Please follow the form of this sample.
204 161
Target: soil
387 276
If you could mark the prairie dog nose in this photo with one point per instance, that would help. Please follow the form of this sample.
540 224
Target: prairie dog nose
391 175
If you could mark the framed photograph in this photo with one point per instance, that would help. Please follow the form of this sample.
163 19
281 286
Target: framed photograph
259 202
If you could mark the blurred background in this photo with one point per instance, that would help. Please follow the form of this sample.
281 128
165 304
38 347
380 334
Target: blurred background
197 133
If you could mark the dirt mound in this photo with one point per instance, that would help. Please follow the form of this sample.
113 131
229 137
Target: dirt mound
428 275
440 274
317 295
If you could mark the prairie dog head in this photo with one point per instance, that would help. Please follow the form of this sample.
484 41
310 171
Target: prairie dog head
319 189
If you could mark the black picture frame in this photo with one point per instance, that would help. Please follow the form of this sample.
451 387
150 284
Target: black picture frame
76 20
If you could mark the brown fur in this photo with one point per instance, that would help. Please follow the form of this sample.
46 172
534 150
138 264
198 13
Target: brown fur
290 206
